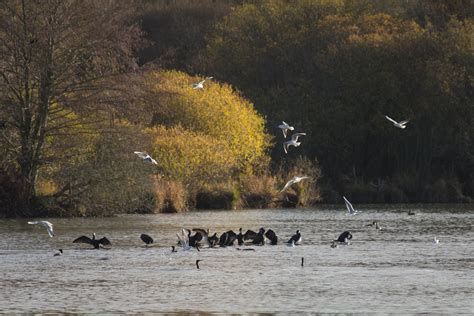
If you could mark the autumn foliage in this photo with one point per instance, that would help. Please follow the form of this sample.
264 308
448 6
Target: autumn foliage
214 126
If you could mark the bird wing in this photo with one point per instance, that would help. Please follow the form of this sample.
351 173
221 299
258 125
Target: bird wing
250 234
285 145
203 232
294 137
287 185
49 227
46 224
146 238
293 239
298 179
184 238
403 122
83 239
140 154
284 132
104 241
349 207
391 120
270 234
153 161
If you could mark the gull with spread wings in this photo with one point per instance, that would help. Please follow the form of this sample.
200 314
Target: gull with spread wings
401 124
350 208
146 157
285 127
293 141
200 84
295 179
46 224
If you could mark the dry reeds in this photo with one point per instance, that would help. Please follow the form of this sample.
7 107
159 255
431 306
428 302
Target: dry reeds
170 196
258 191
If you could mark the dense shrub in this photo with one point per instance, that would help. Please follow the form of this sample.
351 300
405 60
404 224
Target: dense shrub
171 197
258 191
223 196
218 113
306 192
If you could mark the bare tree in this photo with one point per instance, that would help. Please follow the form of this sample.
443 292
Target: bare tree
56 59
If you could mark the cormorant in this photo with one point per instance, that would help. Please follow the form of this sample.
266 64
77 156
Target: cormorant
213 240
240 237
270 234
94 242
260 238
344 237
227 239
374 224
249 235
146 239
195 239
296 238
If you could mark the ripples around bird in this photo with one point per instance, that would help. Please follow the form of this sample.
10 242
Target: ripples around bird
397 269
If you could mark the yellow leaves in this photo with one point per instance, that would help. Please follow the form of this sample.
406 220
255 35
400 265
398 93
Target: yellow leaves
46 187
183 154
219 124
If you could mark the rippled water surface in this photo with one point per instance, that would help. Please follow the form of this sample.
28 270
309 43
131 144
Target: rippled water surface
395 270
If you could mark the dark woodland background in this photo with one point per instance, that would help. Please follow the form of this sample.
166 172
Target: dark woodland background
83 84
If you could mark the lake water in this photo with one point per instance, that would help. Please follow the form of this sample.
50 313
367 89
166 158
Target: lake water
394 270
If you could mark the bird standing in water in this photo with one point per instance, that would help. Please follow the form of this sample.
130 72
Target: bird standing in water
295 239
146 239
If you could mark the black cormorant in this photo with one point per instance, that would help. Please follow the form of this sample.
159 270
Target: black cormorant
260 238
344 237
94 242
146 239
296 238
270 234
227 239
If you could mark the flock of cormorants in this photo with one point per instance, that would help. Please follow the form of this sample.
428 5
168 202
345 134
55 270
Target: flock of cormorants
202 238
198 238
